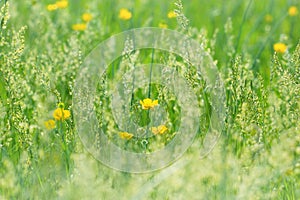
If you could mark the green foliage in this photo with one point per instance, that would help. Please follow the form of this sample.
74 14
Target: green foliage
258 155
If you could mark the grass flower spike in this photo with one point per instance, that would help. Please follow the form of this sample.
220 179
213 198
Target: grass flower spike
293 11
50 124
159 130
125 14
125 135
148 103
280 47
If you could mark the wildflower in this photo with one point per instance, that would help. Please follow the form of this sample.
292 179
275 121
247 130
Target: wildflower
162 25
62 4
148 103
280 47
125 14
87 17
171 14
293 11
52 7
125 135
79 27
268 18
159 130
60 113
50 124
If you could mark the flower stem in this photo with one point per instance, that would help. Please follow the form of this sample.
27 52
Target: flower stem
149 90
150 76
65 148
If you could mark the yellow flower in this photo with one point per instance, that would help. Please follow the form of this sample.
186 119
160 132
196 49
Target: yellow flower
148 103
62 4
280 47
125 14
87 17
50 124
79 27
61 114
171 14
293 11
159 130
268 18
125 135
162 25
51 7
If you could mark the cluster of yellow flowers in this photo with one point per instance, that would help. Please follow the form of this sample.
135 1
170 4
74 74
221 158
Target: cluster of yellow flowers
280 47
59 114
125 14
170 15
146 105
58 5
161 129
86 17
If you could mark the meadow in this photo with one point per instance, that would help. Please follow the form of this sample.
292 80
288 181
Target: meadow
245 115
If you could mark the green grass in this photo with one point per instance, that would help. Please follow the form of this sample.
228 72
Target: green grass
257 155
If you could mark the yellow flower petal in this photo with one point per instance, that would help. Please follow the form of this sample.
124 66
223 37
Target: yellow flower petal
87 17
67 114
148 103
125 14
161 129
50 124
61 114
62 4
293 11
79 27
171 14
125 135
51 7
280 47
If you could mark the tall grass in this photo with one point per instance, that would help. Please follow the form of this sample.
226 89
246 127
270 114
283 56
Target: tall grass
258 153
